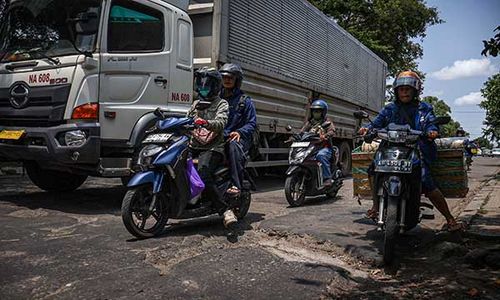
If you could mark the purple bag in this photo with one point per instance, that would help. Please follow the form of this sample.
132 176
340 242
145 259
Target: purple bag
196 185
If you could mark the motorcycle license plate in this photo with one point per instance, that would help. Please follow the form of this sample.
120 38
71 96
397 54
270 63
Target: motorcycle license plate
11 134
393 166
158 138
300 144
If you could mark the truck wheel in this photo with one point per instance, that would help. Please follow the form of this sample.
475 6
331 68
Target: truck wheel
53 181
345 158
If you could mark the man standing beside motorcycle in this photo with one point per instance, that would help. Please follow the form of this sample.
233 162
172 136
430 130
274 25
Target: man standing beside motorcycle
210 113
408 109
241 125
317 117
469 147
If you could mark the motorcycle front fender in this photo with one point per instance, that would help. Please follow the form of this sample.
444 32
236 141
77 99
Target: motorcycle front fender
393 186
155 178
291 170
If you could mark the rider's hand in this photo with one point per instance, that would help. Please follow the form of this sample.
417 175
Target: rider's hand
201 122
362 131
322 137
234 136
432 135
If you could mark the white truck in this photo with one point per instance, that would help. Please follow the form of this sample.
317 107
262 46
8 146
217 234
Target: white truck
79 79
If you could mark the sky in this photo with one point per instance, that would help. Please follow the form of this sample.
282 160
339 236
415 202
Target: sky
455 70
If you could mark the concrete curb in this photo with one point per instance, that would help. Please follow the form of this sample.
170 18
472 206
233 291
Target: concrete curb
472 211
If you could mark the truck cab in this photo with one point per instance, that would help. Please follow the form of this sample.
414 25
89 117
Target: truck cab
79 80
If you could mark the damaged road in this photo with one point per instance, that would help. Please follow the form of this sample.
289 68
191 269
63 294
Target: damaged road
75 246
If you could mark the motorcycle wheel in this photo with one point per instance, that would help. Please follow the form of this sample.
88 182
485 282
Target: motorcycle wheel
391 228
293 194
136 216
242 209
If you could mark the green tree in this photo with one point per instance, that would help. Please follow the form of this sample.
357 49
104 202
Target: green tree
492 47
483 142
390 28
441 109
491 103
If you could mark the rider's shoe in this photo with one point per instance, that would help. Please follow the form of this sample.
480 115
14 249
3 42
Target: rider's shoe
229 218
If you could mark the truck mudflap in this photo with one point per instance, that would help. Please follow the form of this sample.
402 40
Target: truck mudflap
48 144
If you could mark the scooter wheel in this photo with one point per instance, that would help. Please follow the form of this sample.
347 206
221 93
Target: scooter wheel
136 216
293 192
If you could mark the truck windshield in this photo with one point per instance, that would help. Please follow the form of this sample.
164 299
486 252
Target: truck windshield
34 29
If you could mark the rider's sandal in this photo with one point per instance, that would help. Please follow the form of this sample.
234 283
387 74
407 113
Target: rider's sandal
371 214
233 191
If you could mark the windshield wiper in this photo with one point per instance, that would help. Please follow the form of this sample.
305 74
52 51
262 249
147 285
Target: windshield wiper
42 54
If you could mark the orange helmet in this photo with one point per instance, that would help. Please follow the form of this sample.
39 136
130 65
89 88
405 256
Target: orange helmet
408 78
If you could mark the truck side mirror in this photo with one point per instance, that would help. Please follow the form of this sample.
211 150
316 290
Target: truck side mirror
86 23
288 128
361 114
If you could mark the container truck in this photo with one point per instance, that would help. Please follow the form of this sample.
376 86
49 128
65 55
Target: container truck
79 79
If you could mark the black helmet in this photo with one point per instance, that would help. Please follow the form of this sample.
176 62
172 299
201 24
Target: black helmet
207 83
234 70
460 132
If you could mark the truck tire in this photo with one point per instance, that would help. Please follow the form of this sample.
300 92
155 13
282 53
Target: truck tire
345 158
53 181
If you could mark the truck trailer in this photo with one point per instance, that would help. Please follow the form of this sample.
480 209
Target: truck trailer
79 79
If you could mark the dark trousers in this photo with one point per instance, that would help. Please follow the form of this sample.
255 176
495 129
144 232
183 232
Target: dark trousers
237 160
208 162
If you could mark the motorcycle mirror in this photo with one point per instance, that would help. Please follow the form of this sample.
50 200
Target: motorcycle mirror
159 114
288 128
360 114
442 120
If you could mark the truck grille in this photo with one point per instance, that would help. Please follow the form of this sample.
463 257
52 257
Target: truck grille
45 107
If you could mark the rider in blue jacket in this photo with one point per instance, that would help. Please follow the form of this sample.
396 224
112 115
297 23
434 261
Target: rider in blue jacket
408 109
241 125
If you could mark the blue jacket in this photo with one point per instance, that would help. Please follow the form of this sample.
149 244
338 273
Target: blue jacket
423 115
241 119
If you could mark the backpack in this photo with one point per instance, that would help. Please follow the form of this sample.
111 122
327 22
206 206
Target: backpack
253 152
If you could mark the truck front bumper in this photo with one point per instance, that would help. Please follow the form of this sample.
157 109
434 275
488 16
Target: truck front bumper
47 144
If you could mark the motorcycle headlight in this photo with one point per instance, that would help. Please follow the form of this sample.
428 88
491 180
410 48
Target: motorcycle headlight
150 150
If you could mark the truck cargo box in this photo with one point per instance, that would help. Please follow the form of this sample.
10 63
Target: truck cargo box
449 173
291 52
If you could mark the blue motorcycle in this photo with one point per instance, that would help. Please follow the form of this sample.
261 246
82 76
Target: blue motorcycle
161 188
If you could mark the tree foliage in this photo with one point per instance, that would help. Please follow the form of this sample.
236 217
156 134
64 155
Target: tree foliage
491 103
388 27
492 47
483 142
441 109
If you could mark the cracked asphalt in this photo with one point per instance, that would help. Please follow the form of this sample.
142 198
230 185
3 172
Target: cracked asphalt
74 245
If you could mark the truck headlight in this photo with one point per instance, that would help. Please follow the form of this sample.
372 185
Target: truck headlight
75 138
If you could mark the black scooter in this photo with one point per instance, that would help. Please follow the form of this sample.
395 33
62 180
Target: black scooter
397 182
304 177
